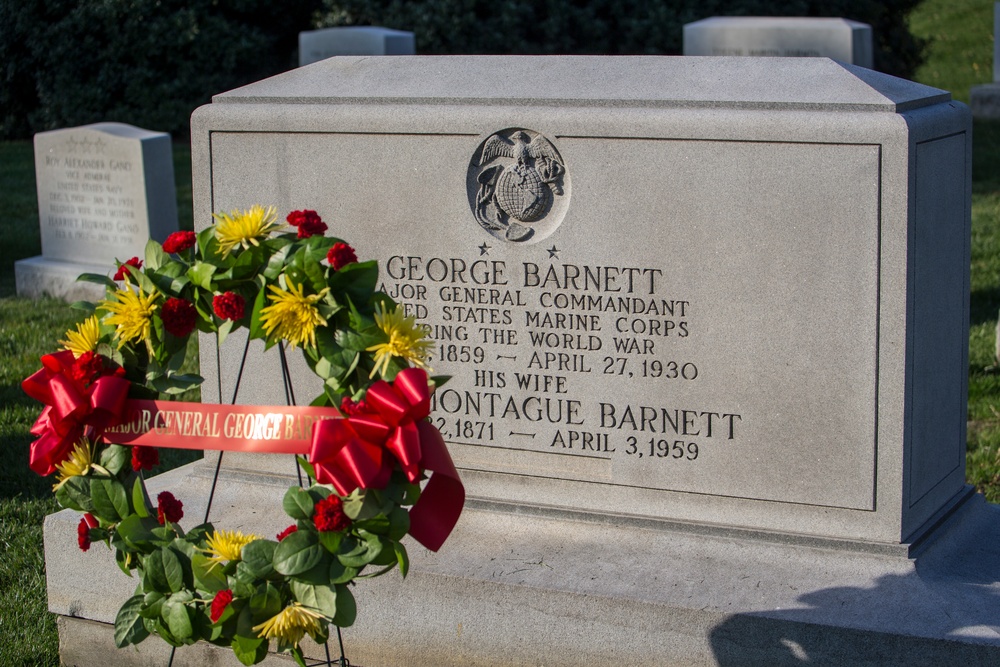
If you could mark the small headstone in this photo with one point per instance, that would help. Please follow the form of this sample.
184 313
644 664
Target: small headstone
103 191
985 99
780 37
316 45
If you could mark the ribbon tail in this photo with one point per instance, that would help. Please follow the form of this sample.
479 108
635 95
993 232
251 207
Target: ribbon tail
436 513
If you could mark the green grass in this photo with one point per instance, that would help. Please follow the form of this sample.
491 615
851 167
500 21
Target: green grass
961 48
29 329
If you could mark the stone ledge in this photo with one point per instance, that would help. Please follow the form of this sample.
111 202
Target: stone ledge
517 589
38 276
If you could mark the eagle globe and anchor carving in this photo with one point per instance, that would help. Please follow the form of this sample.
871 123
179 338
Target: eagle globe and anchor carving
516 183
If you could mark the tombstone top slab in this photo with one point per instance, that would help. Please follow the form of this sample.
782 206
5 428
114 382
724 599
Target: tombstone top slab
626 81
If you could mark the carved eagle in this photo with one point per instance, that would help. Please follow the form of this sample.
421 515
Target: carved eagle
520 147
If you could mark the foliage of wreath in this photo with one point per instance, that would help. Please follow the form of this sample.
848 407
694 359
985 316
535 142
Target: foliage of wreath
219 586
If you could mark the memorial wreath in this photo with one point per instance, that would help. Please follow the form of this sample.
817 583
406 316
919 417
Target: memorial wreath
378 470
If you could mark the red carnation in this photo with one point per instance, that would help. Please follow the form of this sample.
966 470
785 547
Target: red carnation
219 604
168 508
83 530
144 458
340 255
122 271
179 241
350 408
329 516
287 531
85 369
229 306
308 222
179 316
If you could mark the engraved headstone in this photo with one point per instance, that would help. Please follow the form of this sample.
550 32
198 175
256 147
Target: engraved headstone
103 191
316 45
985 99
702 316
780 37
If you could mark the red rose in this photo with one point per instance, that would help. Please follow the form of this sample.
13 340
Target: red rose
229 306
144 458
329 516
168 508
179 316
340 255
122 271
179 241
83 530
287 531
219 604
308 222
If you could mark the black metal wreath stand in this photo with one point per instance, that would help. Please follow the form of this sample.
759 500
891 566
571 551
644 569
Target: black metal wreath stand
286 378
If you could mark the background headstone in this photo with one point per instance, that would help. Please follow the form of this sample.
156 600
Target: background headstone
985 99
316 45
841 39
103 191
707 324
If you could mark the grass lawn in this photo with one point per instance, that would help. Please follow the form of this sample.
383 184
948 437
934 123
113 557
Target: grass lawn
960 56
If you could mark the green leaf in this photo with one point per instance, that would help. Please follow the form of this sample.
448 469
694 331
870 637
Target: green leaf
208 575
265 603
201 275
249 651
155 257
256 328
75 494
258 556
109 498
319 597
402 558
137 531
85 306
330 540
297 553
224 329
140 500
152 604
340 573
115 458
129 628
177 616
399 523
98 278
173 570
298 504
347 608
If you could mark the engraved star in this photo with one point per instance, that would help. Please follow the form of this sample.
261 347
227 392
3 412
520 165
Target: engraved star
484 250
553 252
72 144
86 145
99 146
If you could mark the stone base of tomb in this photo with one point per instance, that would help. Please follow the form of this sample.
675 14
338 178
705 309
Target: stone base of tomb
38 276
520 586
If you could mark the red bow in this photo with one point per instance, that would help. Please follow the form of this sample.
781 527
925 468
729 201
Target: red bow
349 453
69 409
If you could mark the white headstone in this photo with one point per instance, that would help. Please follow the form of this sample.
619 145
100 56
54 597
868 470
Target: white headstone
780 37
316 45
103 191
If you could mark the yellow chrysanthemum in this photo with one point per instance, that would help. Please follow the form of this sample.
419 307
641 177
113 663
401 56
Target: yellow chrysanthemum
84 339
227 545
244 228
292 315
131 313
406 340
80 460
291 624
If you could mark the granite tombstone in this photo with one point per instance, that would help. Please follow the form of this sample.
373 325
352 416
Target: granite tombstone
706 321
103 191
316 45
780 37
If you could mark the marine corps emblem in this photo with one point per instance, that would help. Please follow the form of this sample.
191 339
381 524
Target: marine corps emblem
515 179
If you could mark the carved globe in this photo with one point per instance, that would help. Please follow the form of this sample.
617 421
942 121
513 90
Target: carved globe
522 195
